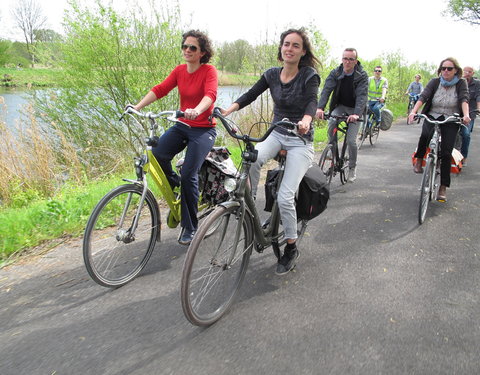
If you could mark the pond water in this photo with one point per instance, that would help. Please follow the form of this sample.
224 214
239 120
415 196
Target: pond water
15 99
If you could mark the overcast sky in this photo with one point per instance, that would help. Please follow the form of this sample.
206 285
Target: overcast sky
416 28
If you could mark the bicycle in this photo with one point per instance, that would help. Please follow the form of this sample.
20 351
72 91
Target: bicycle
215 265
431 172
371 129
412 99
332 161
125 225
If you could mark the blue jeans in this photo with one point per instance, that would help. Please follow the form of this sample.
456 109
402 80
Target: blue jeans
198 141
375 106
465 133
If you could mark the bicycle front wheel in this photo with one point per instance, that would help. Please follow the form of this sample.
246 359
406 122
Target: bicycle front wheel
327 163
114 251
425 190
363 135
344 169
215 266
374 132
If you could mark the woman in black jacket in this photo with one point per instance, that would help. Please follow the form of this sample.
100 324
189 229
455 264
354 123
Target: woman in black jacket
443 96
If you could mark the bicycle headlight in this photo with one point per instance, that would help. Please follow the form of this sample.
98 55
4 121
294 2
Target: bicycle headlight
230 184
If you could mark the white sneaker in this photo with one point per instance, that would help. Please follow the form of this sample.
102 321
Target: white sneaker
352 174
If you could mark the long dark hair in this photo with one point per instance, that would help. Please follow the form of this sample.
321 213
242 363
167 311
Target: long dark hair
203 41
309 58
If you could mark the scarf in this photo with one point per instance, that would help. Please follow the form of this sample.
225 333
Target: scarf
446 83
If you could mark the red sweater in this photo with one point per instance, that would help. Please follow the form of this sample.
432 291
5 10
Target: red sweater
192 88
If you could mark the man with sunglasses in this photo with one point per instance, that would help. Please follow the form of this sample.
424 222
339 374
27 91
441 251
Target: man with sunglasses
348 87
377 92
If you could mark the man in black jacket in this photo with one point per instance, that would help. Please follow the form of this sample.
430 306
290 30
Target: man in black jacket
349 85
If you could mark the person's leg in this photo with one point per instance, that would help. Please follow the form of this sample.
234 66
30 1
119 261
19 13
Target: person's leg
449 132
170 144
377 110
352 143
267 150
299 159
200 142
465 133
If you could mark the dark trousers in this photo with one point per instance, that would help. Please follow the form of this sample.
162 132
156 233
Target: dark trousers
448 132
198 141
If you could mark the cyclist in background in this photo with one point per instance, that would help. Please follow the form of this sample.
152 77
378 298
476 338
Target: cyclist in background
293 88
415 88
474 103
197 85
348 86
377 92
443 96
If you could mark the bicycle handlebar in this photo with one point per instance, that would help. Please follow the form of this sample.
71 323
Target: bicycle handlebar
343 117
170 115
453 118
285 123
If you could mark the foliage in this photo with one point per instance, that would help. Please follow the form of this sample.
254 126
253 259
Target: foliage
109 60
464 10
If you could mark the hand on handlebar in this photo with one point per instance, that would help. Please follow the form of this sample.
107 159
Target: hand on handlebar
411 118
353 118
320 114
466 119
191 114
303 127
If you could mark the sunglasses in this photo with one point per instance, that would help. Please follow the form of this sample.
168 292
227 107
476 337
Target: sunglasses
190 47
348 58
449 68
377 71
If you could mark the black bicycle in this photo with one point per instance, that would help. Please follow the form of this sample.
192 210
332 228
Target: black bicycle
332 161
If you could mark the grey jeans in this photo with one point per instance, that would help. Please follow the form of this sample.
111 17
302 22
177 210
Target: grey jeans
299 159
351 133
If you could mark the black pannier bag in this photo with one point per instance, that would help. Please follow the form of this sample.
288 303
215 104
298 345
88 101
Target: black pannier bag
271 188
313 194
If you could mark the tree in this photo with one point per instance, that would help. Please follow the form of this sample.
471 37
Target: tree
29 19
464 10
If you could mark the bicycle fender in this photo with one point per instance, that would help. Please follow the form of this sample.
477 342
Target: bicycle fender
230 204
157 209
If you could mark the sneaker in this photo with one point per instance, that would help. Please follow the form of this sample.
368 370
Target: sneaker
287 262
352 174
186 236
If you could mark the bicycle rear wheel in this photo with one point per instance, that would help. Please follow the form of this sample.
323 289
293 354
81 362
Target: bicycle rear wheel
374 132
344 158
113 255
425 190
215 266
327 162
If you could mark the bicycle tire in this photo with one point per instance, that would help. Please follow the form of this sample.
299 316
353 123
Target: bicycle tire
425 190
214 265
327 163
374 133
344 158
109 260
410 107
363 135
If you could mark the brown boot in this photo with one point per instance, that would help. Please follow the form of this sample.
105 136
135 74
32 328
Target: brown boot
417 168
442 193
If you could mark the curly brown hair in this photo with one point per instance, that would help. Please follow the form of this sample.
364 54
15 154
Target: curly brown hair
203 41
455 63
309 58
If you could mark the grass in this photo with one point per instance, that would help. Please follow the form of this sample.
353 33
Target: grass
29 77
45 219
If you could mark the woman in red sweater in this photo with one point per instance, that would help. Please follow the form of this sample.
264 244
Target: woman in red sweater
197 85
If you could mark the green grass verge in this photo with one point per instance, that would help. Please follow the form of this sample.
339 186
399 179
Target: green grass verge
35 77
